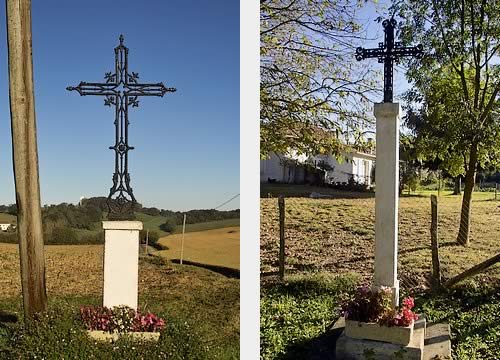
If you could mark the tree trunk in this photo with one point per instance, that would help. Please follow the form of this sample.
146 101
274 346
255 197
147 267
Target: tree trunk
470 178
25 157
458 185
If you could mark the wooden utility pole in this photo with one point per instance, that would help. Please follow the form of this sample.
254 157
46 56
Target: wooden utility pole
281 206
436 271
25 157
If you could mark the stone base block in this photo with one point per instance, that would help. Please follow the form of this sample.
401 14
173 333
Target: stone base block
106 336
401 335
428 342
358 349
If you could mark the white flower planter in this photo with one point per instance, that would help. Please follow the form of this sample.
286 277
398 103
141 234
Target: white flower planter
107 336
372 331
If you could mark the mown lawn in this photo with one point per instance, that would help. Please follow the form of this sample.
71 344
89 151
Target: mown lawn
201 308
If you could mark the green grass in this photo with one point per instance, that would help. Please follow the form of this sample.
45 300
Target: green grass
296 312
472 312
297 316
201 310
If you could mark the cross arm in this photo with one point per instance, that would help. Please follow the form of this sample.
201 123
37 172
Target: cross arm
157 89
416 51
85 88
362 53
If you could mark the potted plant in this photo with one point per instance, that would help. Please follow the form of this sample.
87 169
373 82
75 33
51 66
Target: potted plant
103 323
369 315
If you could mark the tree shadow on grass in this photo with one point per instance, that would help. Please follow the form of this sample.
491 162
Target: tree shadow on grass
226 271
321 347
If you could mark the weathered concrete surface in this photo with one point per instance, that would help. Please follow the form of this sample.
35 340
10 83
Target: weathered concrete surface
430 342
386 197
114 336
121 263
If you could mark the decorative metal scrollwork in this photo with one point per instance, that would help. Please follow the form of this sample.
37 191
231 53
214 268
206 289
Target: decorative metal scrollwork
121 90
389 52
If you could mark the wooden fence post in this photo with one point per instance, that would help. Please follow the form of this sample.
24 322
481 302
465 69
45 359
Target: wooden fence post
281 205
25 157
436 270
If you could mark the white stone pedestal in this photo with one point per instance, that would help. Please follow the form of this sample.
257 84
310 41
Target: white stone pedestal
121 262
386 197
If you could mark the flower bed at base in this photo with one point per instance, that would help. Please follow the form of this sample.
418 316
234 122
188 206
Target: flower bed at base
369 315
104 323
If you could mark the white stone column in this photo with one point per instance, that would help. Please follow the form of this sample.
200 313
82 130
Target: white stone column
386 197
121 262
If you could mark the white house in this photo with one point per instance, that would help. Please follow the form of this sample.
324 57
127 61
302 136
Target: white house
4 227
292 168
356 165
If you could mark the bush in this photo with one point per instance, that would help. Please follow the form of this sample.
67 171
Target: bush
8 237
61 235
91 239
152 238
169 225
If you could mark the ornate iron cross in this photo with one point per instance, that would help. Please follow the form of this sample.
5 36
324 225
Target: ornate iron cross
387 53
122 90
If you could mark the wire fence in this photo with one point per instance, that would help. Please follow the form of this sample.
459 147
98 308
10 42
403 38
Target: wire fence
337 234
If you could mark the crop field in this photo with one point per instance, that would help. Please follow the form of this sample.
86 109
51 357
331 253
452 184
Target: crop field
337 235
208 301
7 218
218 247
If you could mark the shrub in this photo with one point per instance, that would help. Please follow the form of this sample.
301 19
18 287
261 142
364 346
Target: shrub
97 238
61 235
169 225
8 237
152 238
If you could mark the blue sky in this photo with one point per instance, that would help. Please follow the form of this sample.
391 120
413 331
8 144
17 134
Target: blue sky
186 144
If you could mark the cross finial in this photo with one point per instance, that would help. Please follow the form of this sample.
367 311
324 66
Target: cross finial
121 39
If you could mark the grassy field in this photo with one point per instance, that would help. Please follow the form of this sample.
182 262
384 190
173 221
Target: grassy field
154 222
338 235
206 301
219 247
7 218
329 251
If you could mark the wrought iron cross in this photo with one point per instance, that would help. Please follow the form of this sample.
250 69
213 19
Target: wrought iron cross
122 90
387 53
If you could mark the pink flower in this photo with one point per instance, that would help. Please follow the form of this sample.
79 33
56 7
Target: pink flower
409 302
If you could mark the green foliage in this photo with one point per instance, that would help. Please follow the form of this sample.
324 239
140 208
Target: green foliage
58 334
299 310
169 225
472 312
152 237
69 215
312 88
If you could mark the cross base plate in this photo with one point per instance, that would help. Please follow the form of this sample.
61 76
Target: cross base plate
428 342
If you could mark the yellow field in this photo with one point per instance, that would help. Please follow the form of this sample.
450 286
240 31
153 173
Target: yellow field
219 247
